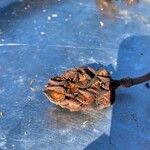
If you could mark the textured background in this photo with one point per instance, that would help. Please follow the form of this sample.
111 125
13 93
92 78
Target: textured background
42 38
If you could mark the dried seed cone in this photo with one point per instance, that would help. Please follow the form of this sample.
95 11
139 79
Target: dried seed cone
81 88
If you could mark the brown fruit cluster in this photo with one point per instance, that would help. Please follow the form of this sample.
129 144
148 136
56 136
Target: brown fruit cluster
80 88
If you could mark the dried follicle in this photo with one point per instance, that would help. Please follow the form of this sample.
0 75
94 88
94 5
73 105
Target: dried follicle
80 89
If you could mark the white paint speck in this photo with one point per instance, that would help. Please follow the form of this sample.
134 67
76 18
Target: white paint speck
42 33
44 10
13 44
115 63
85 122
3 40
92 60
25 133
54 15
95 130
49 18
25 8
13 145
29 123
1 114
101 24
66 19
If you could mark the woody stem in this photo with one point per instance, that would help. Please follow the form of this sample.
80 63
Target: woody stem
128 82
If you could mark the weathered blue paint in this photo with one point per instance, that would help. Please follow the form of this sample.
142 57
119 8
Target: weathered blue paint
42 38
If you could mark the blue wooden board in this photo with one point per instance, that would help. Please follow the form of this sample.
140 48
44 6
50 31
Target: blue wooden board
42 38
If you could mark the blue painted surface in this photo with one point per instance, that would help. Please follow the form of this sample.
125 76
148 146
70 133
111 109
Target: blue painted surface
40 39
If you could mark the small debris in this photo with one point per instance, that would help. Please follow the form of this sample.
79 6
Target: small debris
101 24
147 85
25 133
